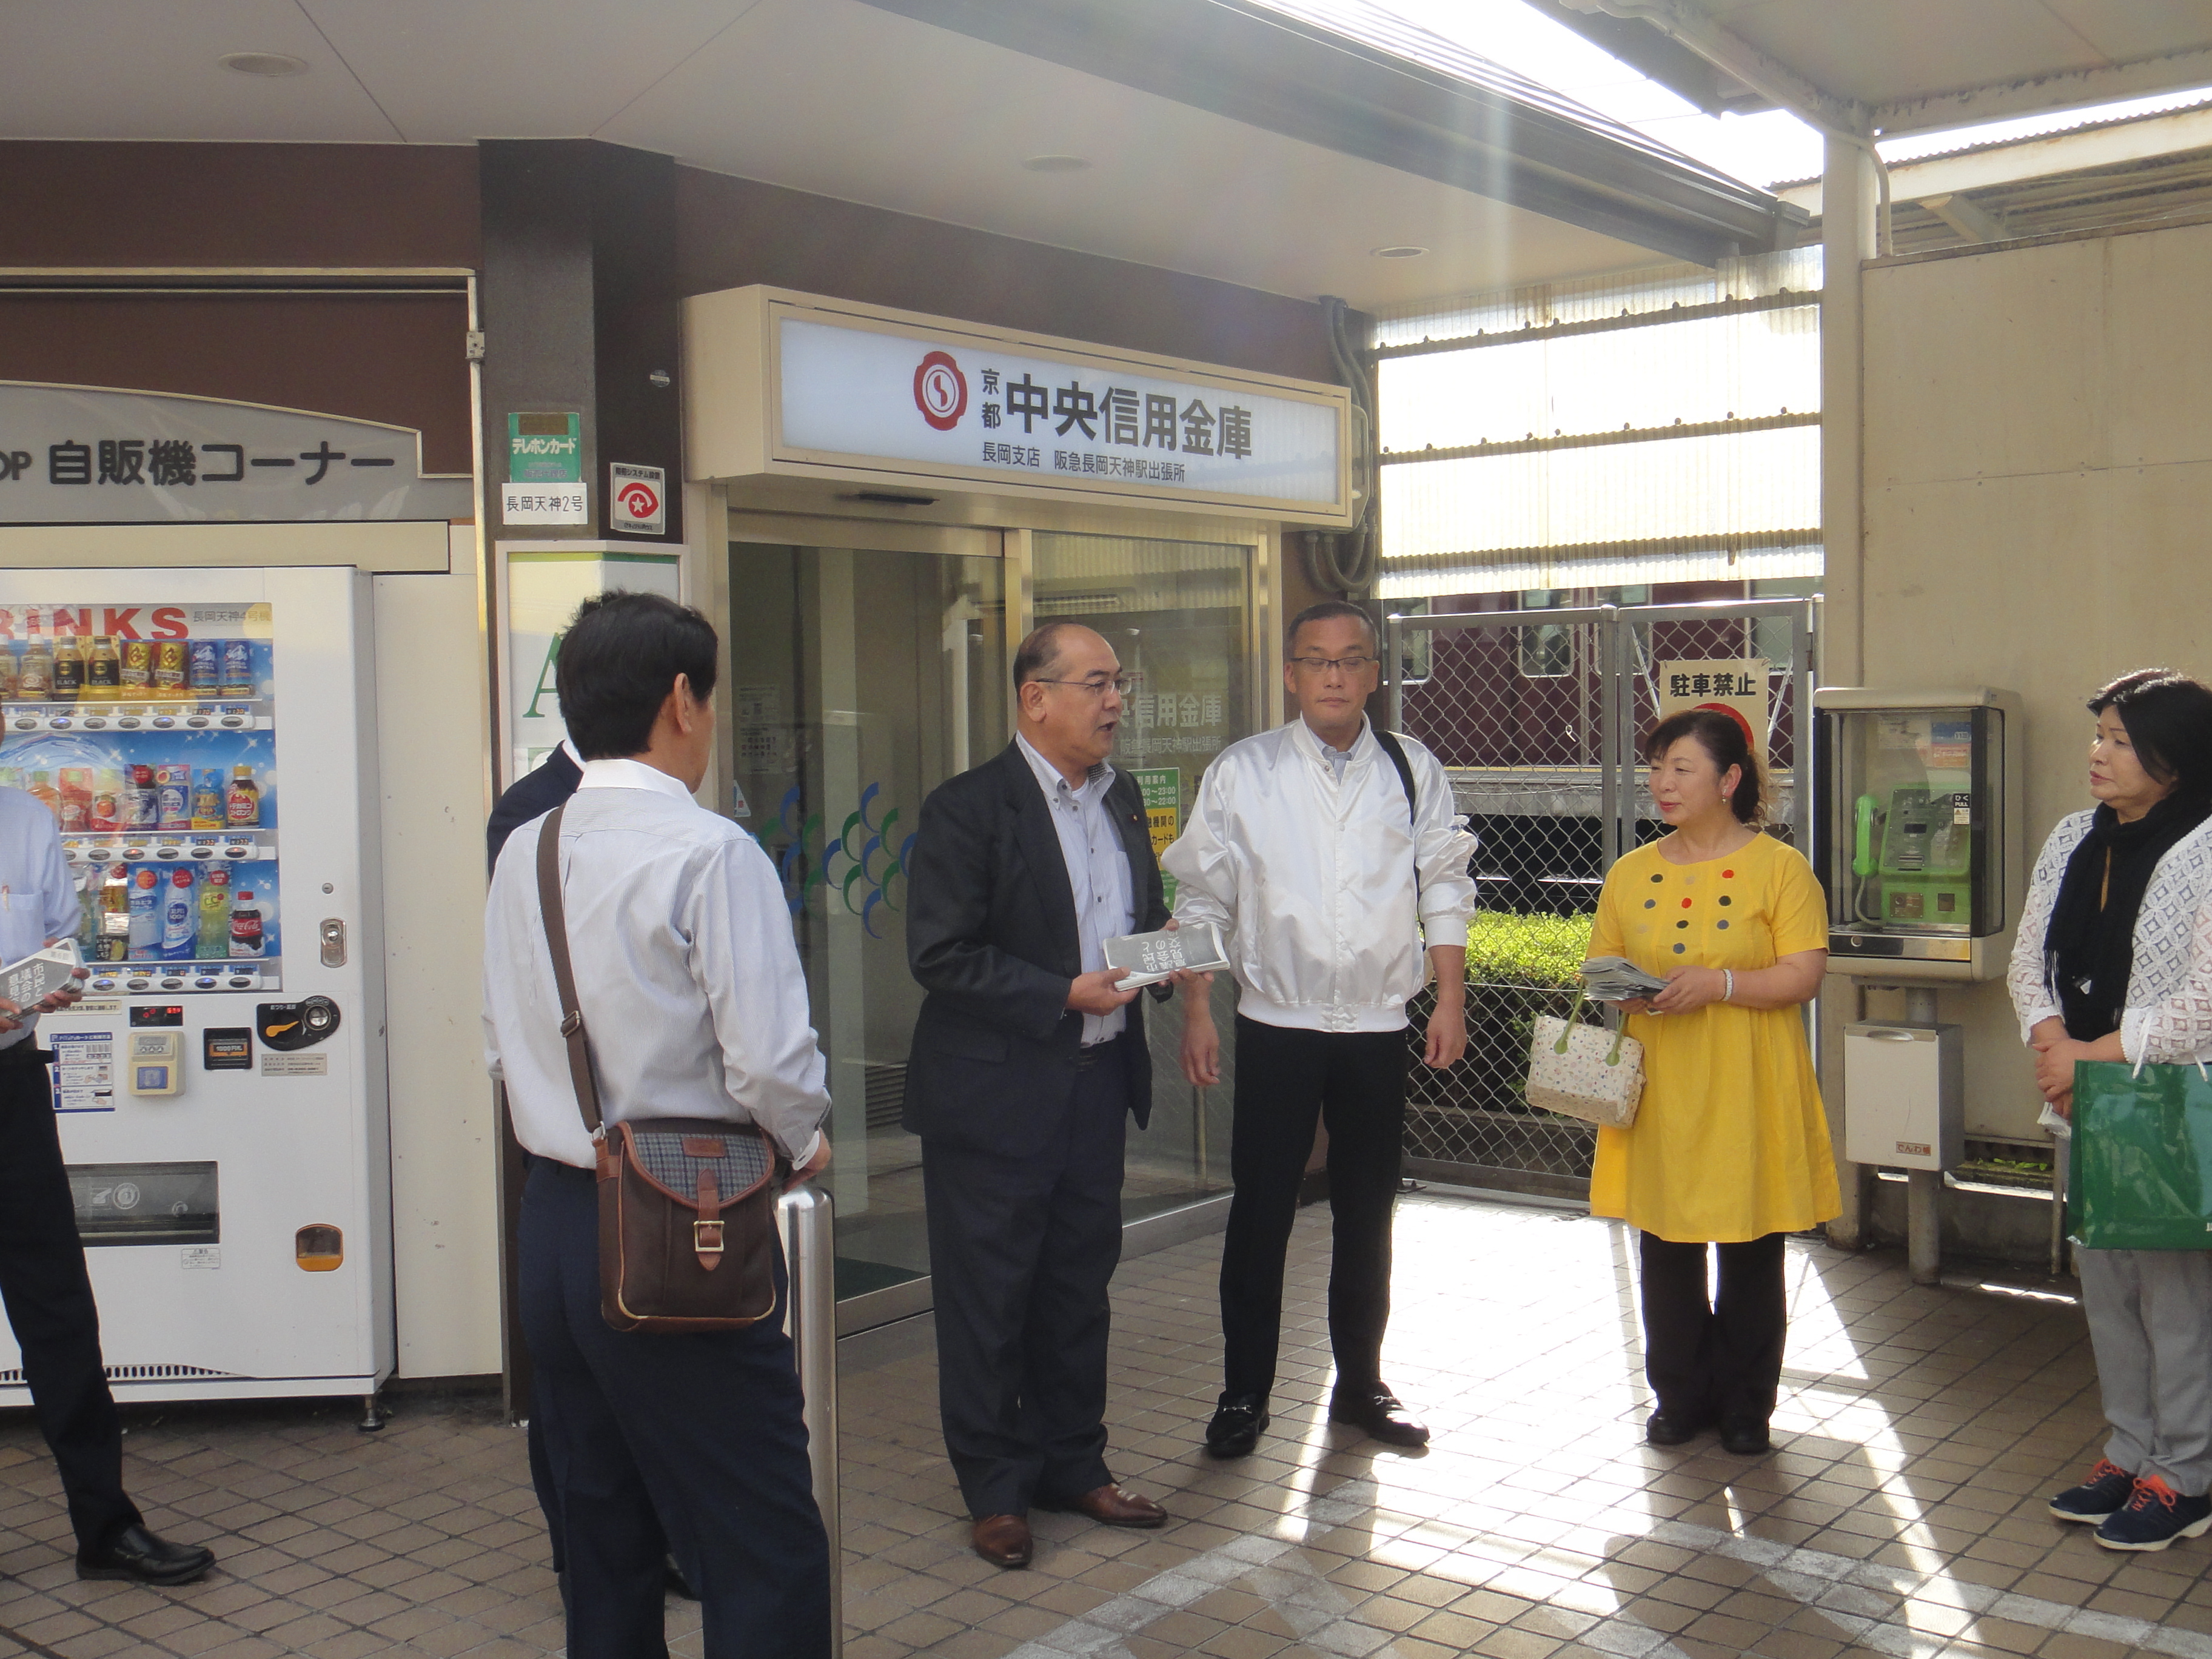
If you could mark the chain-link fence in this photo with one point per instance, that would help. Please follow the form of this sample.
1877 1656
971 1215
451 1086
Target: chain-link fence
1537 716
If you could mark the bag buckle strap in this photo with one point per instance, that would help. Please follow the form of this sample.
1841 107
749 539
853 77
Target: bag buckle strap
572 1022
706 1241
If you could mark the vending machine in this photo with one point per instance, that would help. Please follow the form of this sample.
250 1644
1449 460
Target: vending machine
205 740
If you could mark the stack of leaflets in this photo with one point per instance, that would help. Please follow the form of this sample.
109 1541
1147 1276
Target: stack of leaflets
1616 979
1151 957
37 977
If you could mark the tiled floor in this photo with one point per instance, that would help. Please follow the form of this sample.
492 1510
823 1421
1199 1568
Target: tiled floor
1901 1514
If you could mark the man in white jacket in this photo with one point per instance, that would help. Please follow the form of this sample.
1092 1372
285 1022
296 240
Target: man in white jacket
1328 852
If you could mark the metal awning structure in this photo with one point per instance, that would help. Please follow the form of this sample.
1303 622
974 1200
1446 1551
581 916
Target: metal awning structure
1898 66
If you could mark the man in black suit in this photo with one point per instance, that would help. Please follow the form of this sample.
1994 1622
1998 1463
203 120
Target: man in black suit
533 795
1028 1061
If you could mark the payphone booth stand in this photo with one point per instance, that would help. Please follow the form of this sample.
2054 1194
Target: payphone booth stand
1918 842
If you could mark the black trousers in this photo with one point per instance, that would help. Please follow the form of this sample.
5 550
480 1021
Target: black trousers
1717 1357
1355 1082
50 1310
1021 1251
692 1443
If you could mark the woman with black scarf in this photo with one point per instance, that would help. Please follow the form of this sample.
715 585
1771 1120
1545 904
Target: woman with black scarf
2113 962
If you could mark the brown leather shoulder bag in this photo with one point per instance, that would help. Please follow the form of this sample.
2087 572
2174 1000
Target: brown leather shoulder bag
687 1206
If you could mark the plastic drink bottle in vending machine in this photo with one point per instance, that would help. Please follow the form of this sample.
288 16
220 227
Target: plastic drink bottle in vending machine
76 798
35 680
103 671
145 913
242 806
238 668
179 924
142 809
173 795
115 914
215 914
69 670
246 925
106 814
207 801
10 672
135 672
42 788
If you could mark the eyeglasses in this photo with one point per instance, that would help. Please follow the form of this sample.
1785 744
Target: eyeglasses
1323 665
1096 687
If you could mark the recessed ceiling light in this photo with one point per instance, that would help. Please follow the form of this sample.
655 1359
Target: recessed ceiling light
1403 251
269 64
1056 163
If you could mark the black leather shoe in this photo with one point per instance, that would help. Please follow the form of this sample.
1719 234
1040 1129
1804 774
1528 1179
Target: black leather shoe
134 1552
1745 1436
1237 1425
1663 1428
1380 1412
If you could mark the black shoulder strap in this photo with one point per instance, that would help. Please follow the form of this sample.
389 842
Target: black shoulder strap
1396 751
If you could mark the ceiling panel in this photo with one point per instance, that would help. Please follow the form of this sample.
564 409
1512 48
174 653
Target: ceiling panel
830 96
147 69
2126 29
1881 51
451 73
936 123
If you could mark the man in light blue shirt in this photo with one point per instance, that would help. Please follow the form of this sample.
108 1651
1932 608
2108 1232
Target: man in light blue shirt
42 1271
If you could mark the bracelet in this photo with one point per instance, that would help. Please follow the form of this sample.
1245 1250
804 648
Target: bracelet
1728 979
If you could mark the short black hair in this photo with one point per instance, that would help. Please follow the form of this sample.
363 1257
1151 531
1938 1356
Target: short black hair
1039 654
1721 736
1322 612
618 661
2169 721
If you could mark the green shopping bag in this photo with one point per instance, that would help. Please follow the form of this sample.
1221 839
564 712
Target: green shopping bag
2142 1167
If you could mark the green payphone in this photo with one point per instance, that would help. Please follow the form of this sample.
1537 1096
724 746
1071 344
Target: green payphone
1916 837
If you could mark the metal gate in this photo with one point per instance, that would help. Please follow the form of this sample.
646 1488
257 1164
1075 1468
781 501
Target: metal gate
1537 716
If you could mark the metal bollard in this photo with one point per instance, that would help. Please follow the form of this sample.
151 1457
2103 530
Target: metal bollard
810 1253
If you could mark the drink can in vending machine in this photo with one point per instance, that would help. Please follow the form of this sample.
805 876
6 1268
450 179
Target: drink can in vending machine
169 667
206 674
135 675
238 679
141 806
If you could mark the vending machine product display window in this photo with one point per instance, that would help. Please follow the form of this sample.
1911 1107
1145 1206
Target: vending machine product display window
149 731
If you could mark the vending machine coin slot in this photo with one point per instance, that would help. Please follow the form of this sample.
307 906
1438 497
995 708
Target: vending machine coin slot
334 942
286 1026
156 1062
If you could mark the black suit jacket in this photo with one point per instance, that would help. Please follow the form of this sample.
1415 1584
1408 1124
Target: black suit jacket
991 936
532 795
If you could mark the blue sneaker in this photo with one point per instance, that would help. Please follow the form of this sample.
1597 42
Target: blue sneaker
2154 1517
2105 1493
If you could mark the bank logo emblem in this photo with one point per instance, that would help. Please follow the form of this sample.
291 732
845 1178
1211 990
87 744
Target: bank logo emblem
940 390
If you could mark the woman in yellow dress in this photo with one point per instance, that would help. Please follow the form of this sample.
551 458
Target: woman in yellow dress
1729 1146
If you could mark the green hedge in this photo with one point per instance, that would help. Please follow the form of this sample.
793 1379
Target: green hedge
1545 951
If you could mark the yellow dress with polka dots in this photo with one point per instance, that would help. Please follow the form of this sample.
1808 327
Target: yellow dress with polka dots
1730 1141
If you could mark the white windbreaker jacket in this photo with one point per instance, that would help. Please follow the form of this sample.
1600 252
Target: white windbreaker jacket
1312 881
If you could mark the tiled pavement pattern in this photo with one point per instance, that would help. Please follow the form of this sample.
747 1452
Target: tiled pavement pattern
1902 1514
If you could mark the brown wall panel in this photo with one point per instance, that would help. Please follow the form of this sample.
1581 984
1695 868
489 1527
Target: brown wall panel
238 204
398 358
733 232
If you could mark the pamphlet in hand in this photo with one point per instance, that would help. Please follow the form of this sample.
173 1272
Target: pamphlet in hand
1151 957
1616 979
37 977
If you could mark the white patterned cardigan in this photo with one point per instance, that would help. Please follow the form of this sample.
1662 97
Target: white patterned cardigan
2168 1019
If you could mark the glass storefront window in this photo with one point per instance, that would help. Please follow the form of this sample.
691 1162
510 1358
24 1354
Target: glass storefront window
1179 614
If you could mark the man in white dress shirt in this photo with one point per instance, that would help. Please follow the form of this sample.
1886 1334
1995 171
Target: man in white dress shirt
1329 853
686 968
